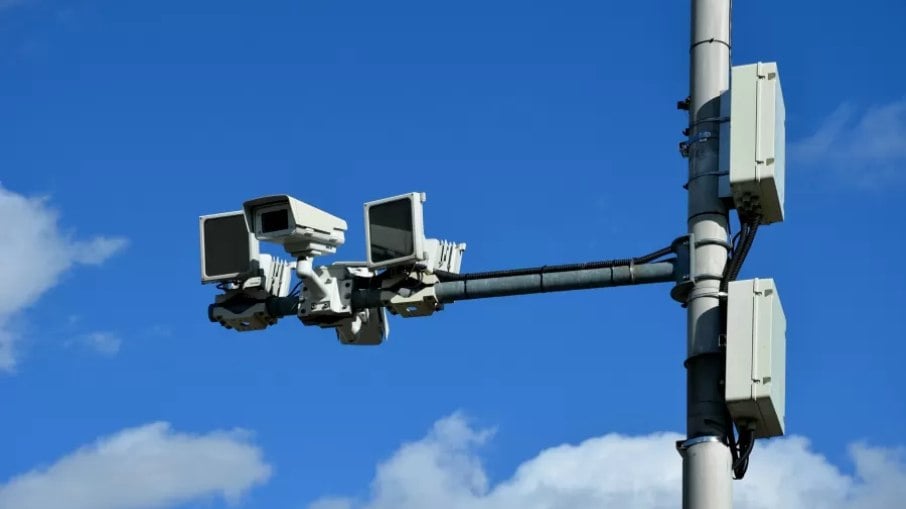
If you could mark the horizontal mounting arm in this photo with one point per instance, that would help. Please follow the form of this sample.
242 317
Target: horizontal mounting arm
541 282
468 288
544 282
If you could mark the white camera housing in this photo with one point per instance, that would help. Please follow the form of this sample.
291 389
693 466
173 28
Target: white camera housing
229 252
395 230
275 276
367 327
395 236
302 229
443 256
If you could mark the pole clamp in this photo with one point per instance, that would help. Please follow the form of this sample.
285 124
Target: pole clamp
684 247
700 137
684 445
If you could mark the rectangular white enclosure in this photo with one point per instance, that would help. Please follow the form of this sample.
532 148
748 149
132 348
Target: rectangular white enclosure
753 142
395 230
756 356
228 249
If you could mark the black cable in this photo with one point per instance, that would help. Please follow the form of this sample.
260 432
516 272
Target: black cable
741 463
747 242
546 269
735 242
650 257
447 276
730 439
741 245
295 291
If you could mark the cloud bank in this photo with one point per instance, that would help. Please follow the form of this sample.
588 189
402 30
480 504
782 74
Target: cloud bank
143 468
443 470
36 252
867 147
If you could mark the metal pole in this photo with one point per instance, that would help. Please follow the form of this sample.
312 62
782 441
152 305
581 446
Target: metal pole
706 459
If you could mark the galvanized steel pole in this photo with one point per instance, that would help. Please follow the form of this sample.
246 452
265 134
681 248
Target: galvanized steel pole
706 459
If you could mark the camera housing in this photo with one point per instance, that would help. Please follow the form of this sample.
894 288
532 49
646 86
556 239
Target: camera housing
395 237
229 252
302 229
395 231
367 327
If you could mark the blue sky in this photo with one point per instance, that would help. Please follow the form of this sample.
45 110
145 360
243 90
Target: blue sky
543 132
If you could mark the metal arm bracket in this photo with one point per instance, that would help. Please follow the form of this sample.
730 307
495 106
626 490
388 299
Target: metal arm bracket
684 247
411 294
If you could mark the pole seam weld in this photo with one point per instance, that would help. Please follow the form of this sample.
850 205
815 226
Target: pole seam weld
710 41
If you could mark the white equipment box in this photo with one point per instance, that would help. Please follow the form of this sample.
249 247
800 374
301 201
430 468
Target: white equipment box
753 142
756 356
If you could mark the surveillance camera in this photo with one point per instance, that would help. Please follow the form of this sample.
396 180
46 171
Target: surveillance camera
394 230
302 229
229 252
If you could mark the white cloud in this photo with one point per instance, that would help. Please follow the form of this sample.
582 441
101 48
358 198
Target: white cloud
142 468
443 471
97 250
36 253
103 342
867 147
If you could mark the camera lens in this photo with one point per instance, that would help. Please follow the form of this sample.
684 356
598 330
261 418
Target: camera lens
274 221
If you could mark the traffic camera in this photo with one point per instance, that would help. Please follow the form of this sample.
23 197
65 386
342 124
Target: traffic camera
395 237
230 257
302 229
